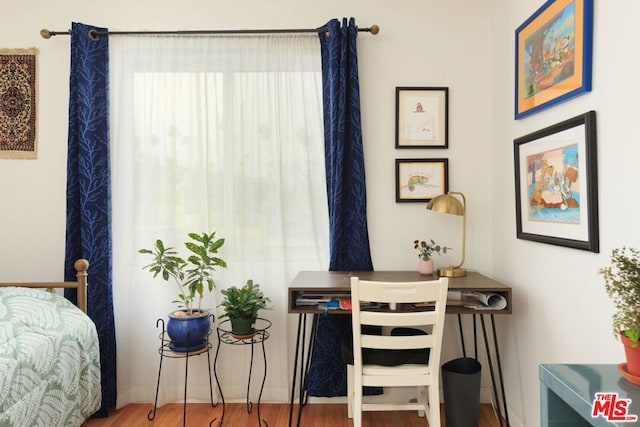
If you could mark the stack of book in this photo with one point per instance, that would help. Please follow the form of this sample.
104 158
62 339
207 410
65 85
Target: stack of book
324 302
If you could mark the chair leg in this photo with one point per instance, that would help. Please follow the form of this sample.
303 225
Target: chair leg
422 400
357 402
350 391
434 406
357 417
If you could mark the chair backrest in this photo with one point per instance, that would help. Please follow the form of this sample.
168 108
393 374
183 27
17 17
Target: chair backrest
405 296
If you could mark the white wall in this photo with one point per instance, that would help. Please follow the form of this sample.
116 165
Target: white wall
465 45
561 312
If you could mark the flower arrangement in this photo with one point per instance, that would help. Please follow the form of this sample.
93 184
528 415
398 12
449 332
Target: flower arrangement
426 249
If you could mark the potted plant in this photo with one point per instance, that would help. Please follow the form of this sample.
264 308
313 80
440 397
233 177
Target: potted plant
425 253
241 306
622 284
188 327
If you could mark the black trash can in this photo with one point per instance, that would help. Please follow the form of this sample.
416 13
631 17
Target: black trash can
461 388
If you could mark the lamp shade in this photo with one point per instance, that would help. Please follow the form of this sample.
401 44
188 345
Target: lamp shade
446 203
449 204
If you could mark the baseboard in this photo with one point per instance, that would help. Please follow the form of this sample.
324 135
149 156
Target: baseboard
486 396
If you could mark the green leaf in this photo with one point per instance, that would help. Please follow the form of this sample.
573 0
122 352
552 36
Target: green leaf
219 262
189 275
622 285
216 245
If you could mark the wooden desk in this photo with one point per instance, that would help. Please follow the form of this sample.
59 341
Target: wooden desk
339 282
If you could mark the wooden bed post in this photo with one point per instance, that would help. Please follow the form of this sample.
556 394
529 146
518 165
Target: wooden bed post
81 267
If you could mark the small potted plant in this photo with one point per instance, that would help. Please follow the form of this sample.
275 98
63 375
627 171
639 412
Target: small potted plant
241 306
188 327
622 284
425 254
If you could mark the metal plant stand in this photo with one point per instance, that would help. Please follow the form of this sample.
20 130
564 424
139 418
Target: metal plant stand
165 351
259 336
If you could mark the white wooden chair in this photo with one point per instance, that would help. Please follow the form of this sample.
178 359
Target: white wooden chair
424 374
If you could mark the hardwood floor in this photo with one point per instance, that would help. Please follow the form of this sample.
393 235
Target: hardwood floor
275 415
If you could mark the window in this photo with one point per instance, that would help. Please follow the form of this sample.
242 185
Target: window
217 134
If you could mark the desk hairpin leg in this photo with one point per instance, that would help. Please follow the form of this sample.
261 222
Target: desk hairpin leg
475 337
499 368
301 318
464 349
301 340
462 340
304 366
489 360
504 397
312 341
302 336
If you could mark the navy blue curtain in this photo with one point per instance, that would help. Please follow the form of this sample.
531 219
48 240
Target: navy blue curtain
344 157
88 233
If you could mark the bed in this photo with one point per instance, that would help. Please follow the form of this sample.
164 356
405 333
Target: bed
49 355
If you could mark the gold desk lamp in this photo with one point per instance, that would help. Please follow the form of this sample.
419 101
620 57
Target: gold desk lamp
447 203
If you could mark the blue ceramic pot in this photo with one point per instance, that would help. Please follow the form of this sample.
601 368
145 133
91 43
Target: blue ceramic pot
188 333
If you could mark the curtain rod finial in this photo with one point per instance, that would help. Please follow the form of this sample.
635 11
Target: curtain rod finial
94 35
374 29
45 34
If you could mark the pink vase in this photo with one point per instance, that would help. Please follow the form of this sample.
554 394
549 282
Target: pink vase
426 266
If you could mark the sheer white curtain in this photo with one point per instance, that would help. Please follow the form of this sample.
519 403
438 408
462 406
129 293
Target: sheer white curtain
224 134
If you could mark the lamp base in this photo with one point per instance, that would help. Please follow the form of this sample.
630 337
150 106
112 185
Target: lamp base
452 272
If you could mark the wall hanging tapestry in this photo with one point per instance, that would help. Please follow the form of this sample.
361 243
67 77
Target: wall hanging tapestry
18 103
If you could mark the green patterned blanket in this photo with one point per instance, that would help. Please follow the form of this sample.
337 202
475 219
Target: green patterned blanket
49 360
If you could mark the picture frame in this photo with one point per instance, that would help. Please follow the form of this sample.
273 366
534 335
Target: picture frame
553 55
556 184
422 117
419 180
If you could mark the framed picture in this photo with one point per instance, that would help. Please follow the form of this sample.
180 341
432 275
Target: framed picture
553 55
556 184
419 180
422 118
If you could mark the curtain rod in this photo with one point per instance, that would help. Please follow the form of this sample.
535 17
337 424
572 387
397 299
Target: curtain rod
95 35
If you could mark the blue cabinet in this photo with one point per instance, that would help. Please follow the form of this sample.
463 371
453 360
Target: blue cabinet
568 392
